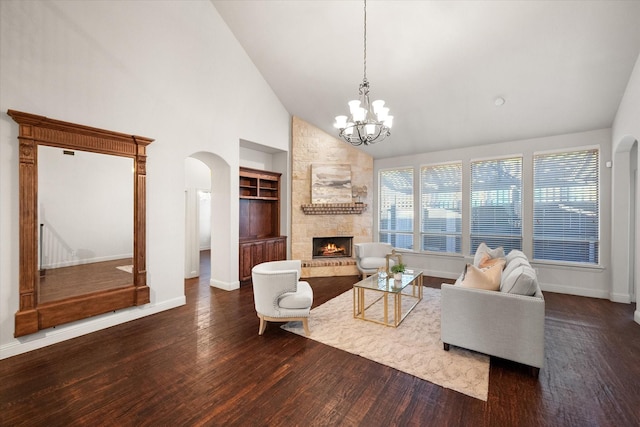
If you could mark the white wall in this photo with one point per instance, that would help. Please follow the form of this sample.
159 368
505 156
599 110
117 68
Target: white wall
169 70
586 281
626 121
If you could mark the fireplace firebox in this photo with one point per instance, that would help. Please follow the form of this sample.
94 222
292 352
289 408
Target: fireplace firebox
332 247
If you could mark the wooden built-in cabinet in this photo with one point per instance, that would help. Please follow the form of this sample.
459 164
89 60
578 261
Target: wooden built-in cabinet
254 252
260 239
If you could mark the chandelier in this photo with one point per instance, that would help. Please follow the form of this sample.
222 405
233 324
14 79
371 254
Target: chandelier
368 122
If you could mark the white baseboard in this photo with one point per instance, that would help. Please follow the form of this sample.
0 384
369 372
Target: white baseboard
83 327
636 316
227 286
441 274
572 290
622 298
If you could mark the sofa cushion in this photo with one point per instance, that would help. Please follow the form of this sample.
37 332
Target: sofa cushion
483 278
512 265
515 254
484 249
522 281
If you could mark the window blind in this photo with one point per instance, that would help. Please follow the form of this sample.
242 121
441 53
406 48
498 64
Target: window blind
441 208
396 207
496 203
566 214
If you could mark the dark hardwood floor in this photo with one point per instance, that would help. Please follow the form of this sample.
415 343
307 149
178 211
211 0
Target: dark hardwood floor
66 282
204 364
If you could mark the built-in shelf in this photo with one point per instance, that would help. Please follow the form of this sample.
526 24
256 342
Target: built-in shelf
259 234
334 208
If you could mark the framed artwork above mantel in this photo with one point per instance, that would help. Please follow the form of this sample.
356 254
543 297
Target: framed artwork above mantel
331 183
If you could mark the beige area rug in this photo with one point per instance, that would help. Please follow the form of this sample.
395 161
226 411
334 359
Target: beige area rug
127 268
414 347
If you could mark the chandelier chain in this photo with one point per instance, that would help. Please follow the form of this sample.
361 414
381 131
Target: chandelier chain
365 41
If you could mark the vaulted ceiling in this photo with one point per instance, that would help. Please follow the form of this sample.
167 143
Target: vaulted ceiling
561 66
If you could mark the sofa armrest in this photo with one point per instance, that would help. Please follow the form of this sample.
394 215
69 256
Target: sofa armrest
500 324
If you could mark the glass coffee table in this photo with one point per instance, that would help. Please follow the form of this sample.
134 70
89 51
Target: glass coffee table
371 297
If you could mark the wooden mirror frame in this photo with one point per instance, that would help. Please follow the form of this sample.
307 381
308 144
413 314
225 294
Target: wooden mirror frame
37 130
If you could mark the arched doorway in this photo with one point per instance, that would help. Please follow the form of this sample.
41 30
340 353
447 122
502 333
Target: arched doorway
211 169
197 214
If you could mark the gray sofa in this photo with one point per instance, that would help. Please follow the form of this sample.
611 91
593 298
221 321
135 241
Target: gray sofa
507 323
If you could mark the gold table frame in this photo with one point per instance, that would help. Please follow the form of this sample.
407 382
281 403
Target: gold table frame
387 286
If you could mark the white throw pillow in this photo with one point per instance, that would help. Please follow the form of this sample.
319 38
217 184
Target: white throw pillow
522 281
515 254
511 267
484 249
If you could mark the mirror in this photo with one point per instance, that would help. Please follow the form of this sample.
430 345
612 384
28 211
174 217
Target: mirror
70 226
85 234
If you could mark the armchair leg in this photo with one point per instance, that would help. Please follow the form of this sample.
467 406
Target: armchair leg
305 325
535 372
263 325
446 346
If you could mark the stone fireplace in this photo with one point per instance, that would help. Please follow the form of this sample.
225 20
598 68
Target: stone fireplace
332 247
310 145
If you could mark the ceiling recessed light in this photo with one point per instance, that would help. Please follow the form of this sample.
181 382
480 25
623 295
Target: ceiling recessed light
499 102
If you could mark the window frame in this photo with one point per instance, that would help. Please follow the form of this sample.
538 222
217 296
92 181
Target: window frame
470 218
420 232
410 234
568 150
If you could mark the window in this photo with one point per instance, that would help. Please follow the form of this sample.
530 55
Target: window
566 219
441 208
396 207
496 203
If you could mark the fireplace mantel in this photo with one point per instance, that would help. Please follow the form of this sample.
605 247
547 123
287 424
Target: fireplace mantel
333 208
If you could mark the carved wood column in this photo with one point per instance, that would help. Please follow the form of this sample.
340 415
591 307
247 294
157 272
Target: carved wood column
27 316
140 209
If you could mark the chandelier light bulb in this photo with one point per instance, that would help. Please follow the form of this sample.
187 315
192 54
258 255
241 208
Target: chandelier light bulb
371 129
377 105
382 113
354 106
341 122
349 129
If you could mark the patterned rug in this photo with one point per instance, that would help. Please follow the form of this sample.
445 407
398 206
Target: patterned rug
413 347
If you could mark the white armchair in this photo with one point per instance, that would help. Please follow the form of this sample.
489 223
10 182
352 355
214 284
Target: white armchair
279 295
371 256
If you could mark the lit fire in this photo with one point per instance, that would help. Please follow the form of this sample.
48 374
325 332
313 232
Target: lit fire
331 249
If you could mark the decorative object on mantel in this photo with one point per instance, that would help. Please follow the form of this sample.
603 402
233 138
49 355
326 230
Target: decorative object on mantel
333 208
359 192
368 123
330 183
